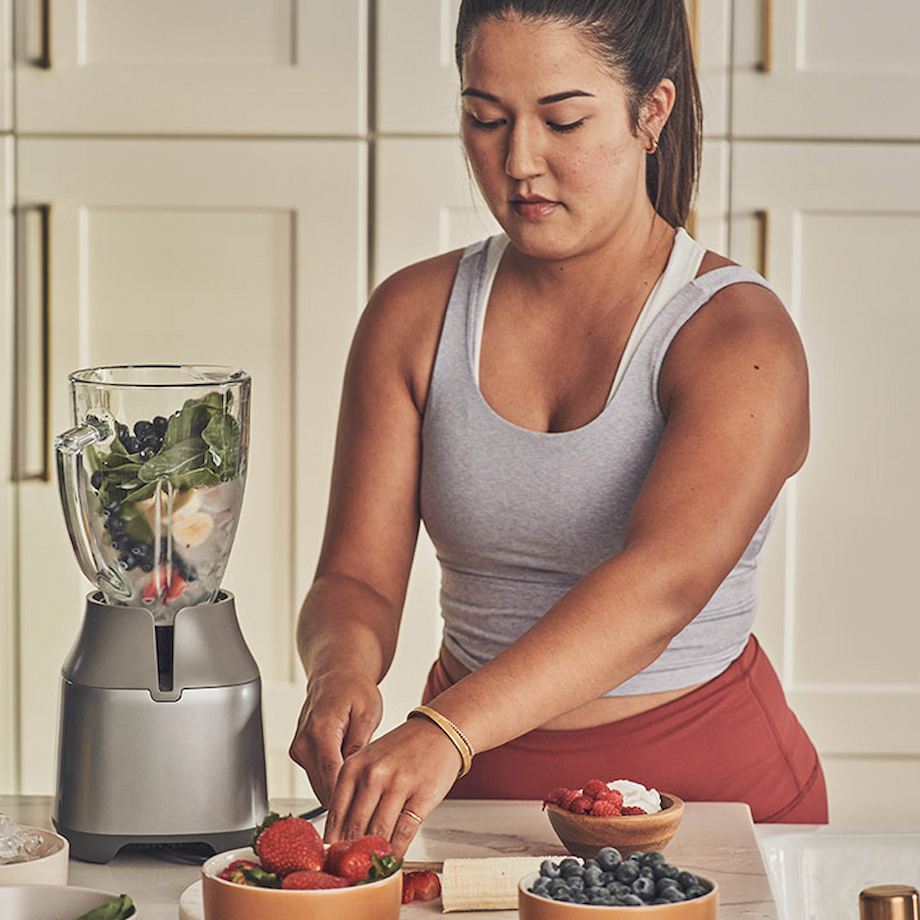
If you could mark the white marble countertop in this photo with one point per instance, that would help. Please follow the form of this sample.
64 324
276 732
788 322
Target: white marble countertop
714 839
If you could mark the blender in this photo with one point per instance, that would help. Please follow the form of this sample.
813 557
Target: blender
160 736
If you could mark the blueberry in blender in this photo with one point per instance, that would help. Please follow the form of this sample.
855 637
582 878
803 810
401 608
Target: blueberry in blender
96 480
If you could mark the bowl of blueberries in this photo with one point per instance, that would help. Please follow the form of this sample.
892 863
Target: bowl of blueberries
609 885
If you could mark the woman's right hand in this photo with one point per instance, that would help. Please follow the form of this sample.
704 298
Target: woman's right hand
338 718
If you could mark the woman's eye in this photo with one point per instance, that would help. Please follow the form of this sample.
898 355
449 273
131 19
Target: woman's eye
484 125
563 129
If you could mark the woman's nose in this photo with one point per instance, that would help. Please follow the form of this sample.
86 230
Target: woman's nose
524 157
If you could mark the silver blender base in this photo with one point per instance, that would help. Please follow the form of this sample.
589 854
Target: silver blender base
160 733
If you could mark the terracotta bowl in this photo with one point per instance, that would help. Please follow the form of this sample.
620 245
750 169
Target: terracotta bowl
536 907
228 901
584 835
49 867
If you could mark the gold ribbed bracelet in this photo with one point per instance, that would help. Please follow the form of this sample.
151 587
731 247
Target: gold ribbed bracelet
460 741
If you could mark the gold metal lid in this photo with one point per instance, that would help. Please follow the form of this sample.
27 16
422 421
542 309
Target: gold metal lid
889 902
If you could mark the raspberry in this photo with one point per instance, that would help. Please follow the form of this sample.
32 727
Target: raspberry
582 805
615 796
570 796
605 808
595 788
555 797
633 810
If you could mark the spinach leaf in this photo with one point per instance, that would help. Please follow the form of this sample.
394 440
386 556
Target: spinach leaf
172 461
197 479
223 437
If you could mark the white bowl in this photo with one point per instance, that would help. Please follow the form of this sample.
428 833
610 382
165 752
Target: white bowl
50 902
48 868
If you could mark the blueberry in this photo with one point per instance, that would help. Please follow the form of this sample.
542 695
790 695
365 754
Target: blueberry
146 566
570 867
558 884
132 445
576 883
663 883
687 880
644 887
608 858
653 859
122 432
139 550
636 856
594 876
596 891
632 900
160 424
666 870
96 480
647 872
127 563
626 872
591 864
111 507
619 890
673 893
142 429
562 895
694 891
541 884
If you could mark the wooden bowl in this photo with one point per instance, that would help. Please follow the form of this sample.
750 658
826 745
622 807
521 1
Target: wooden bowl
584 835
225 900
536 907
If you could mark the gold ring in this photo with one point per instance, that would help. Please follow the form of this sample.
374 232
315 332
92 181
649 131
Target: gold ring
411 814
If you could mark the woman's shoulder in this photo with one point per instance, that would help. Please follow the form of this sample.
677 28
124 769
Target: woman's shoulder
404 315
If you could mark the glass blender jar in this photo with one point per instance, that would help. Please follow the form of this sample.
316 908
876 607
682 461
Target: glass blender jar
152 480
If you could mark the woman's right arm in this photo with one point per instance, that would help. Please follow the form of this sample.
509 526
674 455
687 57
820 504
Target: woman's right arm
349 621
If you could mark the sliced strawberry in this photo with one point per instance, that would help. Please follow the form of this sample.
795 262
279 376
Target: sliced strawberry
408 888
334 856
426 885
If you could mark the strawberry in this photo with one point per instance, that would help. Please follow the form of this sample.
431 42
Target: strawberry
334 855
368 859
633 810
287 844
310 880
582 805
158 584
596 788
426 885
605 808
408 888
234 872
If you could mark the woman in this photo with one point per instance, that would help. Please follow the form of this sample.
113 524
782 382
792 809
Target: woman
593 416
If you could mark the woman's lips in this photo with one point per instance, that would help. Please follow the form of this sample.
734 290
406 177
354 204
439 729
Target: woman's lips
534 209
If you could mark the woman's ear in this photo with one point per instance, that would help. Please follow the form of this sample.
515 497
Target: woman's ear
656 110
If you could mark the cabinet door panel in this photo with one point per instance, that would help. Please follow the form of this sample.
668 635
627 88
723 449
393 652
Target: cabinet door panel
8 664
839 228
826 68
210 67
417 82
6 66
240 253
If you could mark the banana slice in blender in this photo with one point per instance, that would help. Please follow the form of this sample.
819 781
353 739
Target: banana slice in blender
192 529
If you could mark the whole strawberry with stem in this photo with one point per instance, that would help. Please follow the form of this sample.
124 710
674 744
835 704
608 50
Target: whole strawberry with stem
368 859
288 844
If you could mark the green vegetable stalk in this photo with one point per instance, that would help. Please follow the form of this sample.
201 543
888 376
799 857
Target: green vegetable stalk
119 908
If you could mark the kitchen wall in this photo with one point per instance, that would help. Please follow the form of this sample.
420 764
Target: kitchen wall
224 181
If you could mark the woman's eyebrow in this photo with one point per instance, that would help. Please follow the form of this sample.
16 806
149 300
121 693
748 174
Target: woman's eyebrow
545 100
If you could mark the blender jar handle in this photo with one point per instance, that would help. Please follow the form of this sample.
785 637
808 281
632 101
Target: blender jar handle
69 448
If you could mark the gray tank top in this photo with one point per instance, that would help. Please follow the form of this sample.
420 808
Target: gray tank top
518 516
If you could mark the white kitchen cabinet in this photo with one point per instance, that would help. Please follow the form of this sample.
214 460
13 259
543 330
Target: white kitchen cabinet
8 657
838 226
6 66
280 67
826 69
247 253
418 86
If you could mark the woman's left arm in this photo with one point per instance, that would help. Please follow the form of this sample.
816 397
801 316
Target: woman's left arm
734 391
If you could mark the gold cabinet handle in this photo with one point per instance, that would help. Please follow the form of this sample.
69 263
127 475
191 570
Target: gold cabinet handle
26 434
763 240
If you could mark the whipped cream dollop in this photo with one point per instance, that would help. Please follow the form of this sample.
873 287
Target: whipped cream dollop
635 794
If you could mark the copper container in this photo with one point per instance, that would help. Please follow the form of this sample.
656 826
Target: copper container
889 902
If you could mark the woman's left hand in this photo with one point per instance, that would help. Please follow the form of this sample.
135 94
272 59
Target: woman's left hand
411 768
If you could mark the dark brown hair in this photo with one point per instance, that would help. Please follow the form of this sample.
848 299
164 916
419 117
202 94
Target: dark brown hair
641 42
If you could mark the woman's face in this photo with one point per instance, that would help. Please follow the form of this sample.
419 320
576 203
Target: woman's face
541 117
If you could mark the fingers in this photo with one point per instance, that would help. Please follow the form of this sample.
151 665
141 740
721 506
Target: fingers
408 823
337 820
360 728
386 814
317 747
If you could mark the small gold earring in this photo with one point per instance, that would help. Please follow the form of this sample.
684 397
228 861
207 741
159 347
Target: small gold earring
654 147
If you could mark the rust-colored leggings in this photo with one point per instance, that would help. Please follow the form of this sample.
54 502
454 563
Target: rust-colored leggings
734 739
